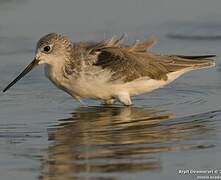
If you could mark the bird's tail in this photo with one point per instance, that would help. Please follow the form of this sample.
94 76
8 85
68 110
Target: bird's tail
198 62
191 62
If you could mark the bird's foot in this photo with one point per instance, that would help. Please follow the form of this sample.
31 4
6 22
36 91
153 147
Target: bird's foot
124 98
109 101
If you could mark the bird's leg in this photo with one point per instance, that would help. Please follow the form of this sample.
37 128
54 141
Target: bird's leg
124 98
78 98
109 101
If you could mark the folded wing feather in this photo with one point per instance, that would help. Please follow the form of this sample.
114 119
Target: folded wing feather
132 62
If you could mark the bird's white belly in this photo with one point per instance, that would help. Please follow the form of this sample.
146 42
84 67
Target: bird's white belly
145 85
100 89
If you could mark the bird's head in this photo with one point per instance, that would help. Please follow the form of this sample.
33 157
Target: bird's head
51 49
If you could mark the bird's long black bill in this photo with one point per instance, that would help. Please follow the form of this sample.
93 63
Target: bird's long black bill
23 73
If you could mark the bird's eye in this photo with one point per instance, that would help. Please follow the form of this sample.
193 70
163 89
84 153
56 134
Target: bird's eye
47 49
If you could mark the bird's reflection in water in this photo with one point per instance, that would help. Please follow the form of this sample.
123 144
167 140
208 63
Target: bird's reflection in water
101 141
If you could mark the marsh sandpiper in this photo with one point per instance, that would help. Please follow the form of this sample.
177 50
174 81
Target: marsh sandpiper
109 70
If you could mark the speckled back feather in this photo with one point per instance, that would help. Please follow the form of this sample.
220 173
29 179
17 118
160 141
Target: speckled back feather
124 62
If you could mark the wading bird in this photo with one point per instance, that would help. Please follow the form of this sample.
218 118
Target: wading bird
109 70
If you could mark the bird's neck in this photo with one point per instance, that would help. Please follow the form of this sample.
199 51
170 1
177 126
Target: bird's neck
55 72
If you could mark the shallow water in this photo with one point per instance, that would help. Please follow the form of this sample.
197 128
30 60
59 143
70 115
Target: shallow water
44 134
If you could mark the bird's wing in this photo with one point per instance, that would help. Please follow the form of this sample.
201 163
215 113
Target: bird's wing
132 62
128 62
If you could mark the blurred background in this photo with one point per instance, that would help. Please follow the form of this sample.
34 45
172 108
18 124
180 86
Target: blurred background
85 20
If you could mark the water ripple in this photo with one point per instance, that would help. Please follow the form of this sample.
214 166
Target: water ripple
122 139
